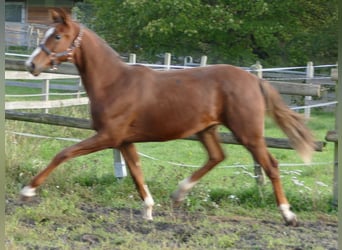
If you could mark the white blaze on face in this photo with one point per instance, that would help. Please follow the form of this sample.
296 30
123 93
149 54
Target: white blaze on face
48 33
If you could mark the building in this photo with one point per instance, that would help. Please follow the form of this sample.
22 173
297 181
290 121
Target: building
26 20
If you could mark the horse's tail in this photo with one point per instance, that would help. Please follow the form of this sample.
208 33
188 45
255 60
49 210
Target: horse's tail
292 123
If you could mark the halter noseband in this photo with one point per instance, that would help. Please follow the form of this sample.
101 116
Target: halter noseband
75 44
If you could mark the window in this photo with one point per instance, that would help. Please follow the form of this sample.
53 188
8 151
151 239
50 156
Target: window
15 12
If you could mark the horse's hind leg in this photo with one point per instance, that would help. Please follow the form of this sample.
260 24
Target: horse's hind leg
270 165
132 159
93 144
211 143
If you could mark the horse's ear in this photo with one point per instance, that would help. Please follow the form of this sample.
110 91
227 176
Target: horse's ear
59 16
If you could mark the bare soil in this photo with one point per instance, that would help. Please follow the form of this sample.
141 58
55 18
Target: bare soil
182 230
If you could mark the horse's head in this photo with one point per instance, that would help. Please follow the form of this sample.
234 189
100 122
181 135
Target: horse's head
58 44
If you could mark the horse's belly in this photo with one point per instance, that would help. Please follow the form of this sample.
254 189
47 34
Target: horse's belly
165 128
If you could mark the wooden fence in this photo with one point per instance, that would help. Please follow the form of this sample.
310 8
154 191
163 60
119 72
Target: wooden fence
45 85
227 138
15 66
23 34
283 87
332 136
119 164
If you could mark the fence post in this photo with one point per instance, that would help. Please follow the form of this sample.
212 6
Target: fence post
167 61
38 38
336 149
257 67
258 171
119 165
45 92
335 178
79 88
120 170
203 61
309 76
132 58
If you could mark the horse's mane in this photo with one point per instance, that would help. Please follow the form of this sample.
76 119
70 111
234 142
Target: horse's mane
110 48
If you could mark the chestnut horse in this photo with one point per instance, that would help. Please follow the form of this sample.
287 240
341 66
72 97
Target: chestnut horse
137 104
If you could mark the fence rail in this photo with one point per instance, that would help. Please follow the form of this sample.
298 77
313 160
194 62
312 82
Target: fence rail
58 120
46 104
36 85
45 86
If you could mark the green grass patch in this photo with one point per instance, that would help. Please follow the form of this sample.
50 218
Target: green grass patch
78 185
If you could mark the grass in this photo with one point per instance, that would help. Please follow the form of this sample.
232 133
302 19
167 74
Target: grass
88 181
39 151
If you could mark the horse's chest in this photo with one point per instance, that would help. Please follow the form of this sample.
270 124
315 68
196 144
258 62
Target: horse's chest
108 114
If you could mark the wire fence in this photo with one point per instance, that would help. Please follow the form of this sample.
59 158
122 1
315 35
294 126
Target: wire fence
243 166
299 74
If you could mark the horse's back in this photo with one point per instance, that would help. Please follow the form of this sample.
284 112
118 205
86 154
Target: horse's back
216 88
176 104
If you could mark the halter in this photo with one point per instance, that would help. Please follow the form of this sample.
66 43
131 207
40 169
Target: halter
75 44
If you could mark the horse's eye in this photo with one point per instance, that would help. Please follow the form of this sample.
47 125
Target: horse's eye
58 37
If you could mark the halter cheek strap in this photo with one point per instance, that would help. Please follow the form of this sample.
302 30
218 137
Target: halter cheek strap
75 44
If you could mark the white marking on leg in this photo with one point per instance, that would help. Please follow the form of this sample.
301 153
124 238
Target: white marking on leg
148 205
186 184
28 191
288 215
184 187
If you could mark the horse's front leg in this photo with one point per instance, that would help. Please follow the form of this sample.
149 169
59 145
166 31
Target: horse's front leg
90 145
133 162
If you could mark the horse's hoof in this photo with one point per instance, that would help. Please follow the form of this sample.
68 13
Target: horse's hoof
25 198
292 223
176 202
289 217
147 214
27 193
147 218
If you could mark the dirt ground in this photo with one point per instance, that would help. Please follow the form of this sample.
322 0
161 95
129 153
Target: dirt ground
183 230
309 234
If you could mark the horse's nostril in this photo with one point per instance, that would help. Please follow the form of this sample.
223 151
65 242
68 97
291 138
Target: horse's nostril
30 66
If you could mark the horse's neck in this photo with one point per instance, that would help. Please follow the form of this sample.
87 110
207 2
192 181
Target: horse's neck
97 63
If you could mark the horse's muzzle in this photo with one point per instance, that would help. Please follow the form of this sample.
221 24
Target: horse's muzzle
31 67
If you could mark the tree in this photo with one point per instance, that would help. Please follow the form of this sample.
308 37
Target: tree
228 31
